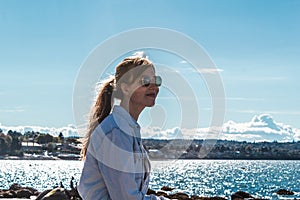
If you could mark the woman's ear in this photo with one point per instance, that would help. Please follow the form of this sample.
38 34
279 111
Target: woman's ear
125 89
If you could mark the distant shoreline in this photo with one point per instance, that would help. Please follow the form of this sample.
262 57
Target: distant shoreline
38 158
69 149
151 159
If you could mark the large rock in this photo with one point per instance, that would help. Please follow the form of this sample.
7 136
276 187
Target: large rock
167 188
15 186
55 194
161 193
24 193
241 195
42 194
178 195
207 198
284 192
17 191
150 191
7 194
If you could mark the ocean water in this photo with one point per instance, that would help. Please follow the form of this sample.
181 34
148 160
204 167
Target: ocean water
260 178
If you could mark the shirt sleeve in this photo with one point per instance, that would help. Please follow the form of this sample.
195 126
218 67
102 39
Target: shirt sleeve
115 159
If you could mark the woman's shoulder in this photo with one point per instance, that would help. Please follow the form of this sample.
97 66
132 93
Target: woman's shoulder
110 129
104 129
112 123
108 124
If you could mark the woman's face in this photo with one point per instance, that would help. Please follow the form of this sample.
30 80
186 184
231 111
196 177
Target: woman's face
144 96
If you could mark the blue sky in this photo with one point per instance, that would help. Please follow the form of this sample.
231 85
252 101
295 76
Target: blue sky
255 44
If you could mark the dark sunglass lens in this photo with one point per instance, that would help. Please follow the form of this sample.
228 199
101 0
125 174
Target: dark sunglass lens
158 81
146 81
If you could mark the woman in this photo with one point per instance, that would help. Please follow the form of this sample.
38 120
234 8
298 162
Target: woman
116 164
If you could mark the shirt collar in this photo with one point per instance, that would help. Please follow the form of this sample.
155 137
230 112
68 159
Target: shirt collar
124 115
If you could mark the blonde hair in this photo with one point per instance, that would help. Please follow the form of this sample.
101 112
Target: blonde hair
110 90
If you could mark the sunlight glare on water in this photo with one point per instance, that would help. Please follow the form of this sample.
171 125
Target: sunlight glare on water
224 177
38 174
195 177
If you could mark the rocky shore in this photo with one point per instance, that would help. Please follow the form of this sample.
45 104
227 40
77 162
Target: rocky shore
239 195
16 191
58 193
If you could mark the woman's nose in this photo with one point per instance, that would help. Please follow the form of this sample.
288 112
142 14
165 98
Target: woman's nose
153 86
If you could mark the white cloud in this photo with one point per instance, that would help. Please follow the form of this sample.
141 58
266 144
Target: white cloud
210 70
260 128
158 133
11 110
286 112
297 135
259 78
201 70
243 99
67 131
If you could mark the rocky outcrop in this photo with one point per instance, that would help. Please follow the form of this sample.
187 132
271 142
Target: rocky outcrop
166 192
241 195
17 191
60 193
284 192
167 188
55 194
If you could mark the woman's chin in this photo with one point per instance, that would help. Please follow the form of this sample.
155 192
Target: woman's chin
150 104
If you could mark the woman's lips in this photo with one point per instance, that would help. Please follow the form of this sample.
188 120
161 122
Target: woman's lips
152 94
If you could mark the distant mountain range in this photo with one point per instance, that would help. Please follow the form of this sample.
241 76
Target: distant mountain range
260 128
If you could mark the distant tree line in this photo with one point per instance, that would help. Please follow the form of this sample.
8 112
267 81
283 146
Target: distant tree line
222 149
11 143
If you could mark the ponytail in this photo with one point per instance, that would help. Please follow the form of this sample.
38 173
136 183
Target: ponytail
99 112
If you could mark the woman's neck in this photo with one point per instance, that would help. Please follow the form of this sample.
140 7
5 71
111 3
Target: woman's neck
133 110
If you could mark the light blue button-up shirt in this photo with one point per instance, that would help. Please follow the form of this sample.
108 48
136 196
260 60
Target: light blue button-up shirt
117 166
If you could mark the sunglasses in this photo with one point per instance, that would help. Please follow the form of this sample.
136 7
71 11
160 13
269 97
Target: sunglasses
146 81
